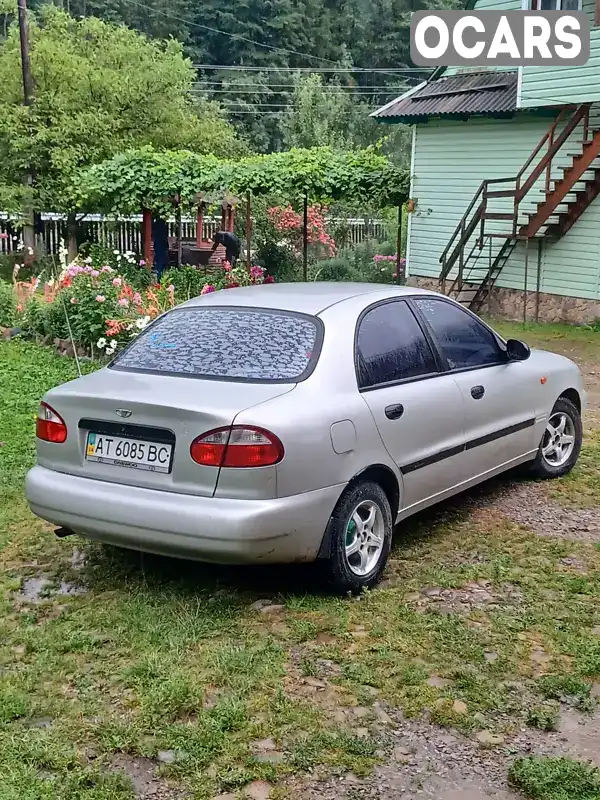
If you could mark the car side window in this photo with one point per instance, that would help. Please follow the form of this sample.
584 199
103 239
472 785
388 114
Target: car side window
464 341
391 346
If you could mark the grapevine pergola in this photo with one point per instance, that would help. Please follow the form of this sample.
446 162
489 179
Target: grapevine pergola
159 182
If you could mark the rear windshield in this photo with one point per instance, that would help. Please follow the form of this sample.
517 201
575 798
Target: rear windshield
243 344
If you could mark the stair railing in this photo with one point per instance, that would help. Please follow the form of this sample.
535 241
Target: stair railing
477 212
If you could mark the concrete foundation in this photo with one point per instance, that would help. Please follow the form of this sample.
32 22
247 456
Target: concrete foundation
508 304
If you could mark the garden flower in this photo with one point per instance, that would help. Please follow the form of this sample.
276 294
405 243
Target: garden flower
141 323
142 263
116 252
95 273
100 298
137 299
117 281
106 269
208 289
269 279
101 343
256 272
227 266
111 347
124 302
74 301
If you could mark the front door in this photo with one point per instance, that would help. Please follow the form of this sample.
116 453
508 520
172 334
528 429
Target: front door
498 394
417 409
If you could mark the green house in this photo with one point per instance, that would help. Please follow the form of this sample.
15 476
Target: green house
505 178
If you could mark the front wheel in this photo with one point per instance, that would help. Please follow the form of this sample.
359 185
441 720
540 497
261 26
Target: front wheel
360 536
561 442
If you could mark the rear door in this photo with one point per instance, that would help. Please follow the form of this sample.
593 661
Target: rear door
418 409
498 395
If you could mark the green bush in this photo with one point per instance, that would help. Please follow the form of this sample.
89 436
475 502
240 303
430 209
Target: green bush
335 269
188 282
280 261
8 308
555 779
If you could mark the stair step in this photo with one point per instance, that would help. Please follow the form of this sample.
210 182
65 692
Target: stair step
497 215
502 193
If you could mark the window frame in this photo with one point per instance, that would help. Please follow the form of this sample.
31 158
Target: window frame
310 367
528 5
441 367
424 321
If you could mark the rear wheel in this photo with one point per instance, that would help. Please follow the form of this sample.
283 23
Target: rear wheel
360 537
561 442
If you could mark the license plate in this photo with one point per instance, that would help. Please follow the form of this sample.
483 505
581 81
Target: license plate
132 453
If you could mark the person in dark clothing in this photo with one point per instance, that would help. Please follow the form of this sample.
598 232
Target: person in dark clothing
231 243
160 237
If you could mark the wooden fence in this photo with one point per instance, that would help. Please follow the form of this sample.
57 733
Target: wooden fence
125 234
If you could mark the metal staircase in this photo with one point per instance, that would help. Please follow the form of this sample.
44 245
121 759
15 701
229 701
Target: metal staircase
531 205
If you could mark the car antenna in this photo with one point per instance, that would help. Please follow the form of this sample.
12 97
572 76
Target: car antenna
68 321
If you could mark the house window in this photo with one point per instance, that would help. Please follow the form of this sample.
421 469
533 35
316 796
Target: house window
554 5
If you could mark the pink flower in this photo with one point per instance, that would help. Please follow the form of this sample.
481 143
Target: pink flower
137 299
208 289
95 273
116 281
106 269
269 279
100 298
124 302
142 263
227 266
256 272
74 300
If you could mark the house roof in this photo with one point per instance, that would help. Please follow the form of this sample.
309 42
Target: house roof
467 94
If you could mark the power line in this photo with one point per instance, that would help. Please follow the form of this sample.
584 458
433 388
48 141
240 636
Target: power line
239 90
268 86
381 70
225 33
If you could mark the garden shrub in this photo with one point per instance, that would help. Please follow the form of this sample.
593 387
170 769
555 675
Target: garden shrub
187 281
8 306
335 269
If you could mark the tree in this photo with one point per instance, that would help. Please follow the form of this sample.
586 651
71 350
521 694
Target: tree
99 89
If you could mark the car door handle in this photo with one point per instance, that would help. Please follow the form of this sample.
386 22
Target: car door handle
394 412
477 392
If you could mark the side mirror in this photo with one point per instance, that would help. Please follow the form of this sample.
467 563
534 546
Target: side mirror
517 350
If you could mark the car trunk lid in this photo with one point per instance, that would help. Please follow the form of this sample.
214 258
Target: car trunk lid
165 412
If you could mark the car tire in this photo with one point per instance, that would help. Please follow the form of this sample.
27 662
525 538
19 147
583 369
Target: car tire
561 442
360 537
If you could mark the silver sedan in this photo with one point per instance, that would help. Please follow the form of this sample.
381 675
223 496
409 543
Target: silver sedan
290 423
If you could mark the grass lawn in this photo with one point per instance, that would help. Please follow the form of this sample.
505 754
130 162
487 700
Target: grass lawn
116 667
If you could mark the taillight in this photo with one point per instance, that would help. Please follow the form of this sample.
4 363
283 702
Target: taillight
50 426
237 447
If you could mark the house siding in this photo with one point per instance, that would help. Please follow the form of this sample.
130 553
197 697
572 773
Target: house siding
451 159
547 86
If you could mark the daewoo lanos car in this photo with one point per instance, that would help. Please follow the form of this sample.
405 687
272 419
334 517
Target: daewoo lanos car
289 423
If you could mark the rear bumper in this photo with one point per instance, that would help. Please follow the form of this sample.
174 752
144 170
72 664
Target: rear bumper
288 529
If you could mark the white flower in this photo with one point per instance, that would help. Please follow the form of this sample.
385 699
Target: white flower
50 283
141 323
111 348
116 252
101 343
87 260
20 247
30 250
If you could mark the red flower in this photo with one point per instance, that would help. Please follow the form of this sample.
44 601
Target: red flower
269 279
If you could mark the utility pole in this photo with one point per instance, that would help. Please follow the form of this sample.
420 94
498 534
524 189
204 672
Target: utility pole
25 61
28 228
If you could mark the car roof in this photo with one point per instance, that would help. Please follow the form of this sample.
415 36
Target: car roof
307 298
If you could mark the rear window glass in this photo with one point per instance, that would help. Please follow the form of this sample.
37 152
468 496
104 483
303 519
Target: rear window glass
227 344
